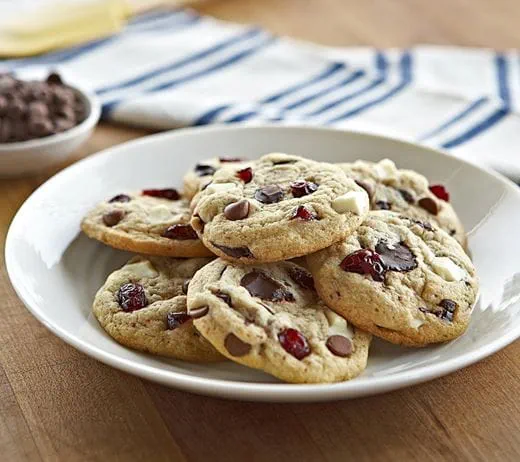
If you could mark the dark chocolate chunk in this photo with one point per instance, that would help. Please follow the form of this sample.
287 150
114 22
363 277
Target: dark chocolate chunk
235 252
396 257
259 284
269 194
235 346
339 345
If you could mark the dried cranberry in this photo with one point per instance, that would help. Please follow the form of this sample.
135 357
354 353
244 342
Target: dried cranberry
365 261
180 232
120 198
304 213
295 343
303 188
171 194
131 297
440 191
246 174
174 320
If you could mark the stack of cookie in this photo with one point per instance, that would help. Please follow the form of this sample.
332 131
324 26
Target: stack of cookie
312 260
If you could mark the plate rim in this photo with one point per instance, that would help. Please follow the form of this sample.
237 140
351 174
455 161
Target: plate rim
250 390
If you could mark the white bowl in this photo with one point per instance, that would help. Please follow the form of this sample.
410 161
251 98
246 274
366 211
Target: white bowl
33 156
56 270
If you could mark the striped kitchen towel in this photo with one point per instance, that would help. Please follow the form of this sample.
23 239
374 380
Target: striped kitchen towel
177 68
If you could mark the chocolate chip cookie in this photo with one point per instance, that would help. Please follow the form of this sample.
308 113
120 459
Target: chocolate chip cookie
277 208
401 279
269 317
406 192
154 222
202 174
143 306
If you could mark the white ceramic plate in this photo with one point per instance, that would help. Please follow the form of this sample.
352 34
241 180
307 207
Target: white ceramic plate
56 270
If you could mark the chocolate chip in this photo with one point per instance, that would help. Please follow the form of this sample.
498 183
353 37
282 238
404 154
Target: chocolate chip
185 285
180 233
54 79
453 232
237 210
40 127
230 159
285 162
366 187
407 196
204 170
223 296
113 218
302 277
235 252
449 307
174 320
235 346
383 205
269 194
429 205
396 257
339 345
199 312
60 125
120 198
37 109
65 112
259 284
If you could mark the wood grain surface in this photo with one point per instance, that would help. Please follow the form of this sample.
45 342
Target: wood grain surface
58 404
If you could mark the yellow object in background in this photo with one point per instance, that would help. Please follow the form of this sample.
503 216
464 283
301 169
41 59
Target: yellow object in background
61 24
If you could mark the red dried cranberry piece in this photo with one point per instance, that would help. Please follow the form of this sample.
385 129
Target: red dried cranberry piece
170 193
120 198
180 232
131 297
304 213
246 174
364 261
295 343
174 320
303 188
440 191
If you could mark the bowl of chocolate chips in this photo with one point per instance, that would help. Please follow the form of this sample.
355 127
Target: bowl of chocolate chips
42 122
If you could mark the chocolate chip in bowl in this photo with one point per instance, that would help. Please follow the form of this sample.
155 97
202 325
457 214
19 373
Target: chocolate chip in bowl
42 122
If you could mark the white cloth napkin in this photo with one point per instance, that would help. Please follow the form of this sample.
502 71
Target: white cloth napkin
177 68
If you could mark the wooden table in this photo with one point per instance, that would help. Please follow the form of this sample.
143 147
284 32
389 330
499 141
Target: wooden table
58 404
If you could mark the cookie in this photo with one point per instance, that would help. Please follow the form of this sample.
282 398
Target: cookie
399 278
143 306
406 192
153 222
278 208
269 317
202 173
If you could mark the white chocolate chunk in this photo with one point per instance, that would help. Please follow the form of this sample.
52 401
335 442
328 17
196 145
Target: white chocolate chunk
416 323
338 325
447 270
220 187
385 169
143 269
353 201
159 214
